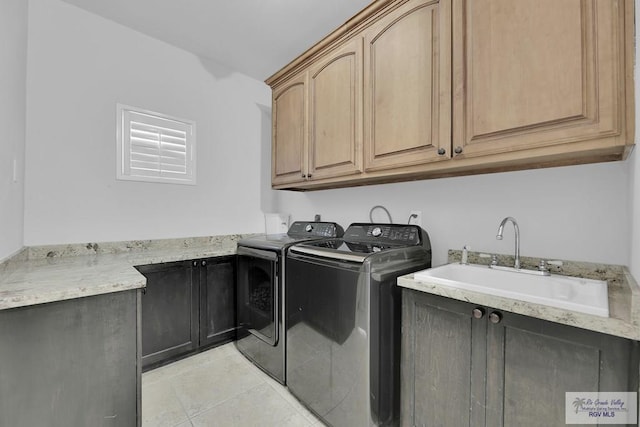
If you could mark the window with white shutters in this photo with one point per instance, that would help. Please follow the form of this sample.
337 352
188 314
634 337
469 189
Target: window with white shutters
155 147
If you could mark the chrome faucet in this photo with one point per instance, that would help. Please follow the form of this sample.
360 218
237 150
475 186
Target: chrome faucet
516 264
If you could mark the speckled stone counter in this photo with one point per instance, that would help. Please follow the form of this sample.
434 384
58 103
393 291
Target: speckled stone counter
42 274
624 295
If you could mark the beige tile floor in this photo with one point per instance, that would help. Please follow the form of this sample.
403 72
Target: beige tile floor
218 387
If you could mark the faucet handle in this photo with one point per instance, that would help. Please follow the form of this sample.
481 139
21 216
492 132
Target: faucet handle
542 266
494 259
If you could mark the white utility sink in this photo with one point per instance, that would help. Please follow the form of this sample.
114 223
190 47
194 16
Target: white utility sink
571 293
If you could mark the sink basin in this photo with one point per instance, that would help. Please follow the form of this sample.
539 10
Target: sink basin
571 293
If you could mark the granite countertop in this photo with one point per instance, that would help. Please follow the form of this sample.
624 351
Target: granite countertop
44 274
624 295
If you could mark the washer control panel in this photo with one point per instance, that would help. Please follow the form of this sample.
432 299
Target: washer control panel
315 229
384 233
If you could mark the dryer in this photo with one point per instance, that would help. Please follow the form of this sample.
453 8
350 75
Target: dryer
260 288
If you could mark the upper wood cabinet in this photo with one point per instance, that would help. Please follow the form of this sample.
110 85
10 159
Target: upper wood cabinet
415 89
537 74
335 113
288 149
317 119
407 77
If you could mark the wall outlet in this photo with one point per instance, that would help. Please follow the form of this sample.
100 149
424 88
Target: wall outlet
415 218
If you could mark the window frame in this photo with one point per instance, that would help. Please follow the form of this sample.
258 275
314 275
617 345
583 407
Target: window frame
124 170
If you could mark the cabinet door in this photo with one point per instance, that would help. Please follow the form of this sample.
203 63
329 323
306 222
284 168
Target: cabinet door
71 362
169 312
532 74
407 80
335 113
443 362
531 363
217 300
289 145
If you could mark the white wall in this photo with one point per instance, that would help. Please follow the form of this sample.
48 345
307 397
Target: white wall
79 67
576 213
13 52
634 202
634 173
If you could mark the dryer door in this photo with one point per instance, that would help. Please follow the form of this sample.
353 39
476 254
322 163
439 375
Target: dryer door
257 286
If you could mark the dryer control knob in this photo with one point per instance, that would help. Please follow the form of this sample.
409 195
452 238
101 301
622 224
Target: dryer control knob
377 231
309 228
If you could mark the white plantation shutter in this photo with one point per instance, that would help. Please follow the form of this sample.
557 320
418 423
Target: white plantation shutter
155 147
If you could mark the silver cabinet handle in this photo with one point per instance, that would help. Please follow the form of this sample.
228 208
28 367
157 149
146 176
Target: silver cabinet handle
495 317
441 151
458 150
478 312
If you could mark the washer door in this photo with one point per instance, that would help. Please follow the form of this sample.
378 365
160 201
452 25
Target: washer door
257 288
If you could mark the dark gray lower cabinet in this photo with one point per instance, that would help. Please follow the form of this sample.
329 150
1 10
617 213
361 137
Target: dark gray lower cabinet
186 306
443 362
71 363
217 278
169 312
468 365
